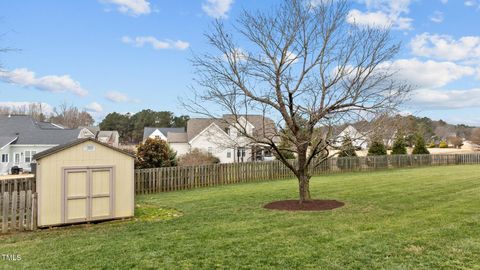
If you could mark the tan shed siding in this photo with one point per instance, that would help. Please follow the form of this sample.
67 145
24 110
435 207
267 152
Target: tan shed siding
50 172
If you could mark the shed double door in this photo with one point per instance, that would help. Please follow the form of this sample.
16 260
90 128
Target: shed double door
88 194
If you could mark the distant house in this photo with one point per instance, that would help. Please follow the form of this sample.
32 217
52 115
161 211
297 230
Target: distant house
21 137
359 140
160 133
361 134
220 137
111 138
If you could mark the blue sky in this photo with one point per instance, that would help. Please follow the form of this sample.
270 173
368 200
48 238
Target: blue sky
127 55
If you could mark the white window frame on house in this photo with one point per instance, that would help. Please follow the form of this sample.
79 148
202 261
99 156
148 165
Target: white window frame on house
28 155
5 158
15 155
229 154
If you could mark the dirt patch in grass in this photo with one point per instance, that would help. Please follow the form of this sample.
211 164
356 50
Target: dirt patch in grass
149 212
313 205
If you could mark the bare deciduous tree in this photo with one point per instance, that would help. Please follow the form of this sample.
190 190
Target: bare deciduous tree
305 67
35 109
71 116
475 136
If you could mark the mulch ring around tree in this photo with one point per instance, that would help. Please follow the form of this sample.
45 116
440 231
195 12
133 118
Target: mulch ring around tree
313 205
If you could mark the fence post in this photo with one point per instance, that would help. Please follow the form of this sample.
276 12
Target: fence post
6 203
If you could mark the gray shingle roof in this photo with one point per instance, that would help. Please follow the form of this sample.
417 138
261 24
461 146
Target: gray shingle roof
177 137
264 126
149 130
197 125
4 141
30 132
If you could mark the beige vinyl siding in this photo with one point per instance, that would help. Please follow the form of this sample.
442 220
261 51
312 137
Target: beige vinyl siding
50 170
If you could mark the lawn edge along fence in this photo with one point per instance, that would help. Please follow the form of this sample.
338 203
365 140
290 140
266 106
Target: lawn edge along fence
189 177
18 204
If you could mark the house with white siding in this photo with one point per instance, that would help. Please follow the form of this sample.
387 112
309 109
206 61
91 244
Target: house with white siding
220 137
21 137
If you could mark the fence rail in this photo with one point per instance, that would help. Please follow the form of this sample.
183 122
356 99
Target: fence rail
180 178
17 183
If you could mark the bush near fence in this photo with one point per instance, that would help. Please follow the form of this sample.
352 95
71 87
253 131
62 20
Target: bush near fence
189 177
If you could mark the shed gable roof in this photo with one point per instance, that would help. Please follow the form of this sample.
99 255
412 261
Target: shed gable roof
62 147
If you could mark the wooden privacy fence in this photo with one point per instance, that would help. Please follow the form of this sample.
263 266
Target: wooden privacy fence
189 177
18 204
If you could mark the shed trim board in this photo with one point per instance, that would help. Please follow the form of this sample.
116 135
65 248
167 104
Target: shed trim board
89 196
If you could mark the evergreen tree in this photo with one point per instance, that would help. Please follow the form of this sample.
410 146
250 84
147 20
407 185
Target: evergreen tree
420 147
347 149
377 148
399 146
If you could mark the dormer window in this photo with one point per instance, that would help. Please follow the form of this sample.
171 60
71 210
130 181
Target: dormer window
227 130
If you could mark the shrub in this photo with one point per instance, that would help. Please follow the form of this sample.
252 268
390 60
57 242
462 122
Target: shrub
376 150
347 150
154 153
443 144
432 145
420 148
198 157
284 145
456 141
399 146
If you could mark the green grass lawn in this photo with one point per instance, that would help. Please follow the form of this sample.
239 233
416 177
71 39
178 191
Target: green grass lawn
427 218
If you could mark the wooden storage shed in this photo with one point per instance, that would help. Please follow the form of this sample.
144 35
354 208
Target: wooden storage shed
82 181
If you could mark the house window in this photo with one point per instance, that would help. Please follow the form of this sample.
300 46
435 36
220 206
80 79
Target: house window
227 130
157 137
241 152
210 150
4 158
29 155
16 158
229 154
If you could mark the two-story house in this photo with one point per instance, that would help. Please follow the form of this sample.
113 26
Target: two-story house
222 137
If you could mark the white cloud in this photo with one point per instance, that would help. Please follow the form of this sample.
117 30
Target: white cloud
374 19
428 74
444 1
443 99
94 107
383 13
50 83
445 47
155 43
437 17
119 97
217 8
472 3
131 7
23 105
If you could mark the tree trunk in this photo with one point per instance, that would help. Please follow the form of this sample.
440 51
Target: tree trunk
304 188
